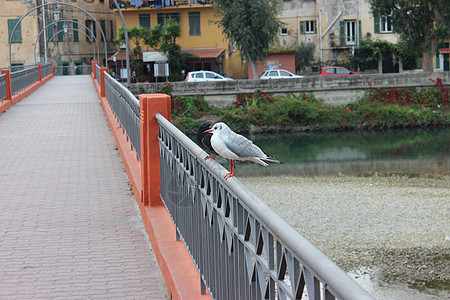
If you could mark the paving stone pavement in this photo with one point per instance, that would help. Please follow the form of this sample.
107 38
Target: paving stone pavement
70 227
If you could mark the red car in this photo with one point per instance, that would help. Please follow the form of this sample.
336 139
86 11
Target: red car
336 71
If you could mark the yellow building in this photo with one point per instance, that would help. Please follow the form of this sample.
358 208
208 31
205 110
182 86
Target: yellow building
70 41
198 35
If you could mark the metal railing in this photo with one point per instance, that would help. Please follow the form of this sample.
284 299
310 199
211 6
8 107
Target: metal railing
241 247
20 80
46 69
126 109
2 87
97 72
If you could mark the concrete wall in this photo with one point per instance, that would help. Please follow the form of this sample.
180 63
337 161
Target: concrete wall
332 90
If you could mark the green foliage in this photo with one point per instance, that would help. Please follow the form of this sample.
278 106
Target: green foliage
252 24
420 23
379 108
304 57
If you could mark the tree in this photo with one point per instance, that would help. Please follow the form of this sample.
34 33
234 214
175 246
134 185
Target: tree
160 38
422 23
304 57
252 24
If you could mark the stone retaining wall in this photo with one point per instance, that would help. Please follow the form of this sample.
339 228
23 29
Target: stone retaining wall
332 90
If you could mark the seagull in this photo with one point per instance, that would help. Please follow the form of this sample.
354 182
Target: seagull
233 146
204 139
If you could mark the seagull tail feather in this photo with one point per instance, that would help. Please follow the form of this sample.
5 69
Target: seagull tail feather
271 158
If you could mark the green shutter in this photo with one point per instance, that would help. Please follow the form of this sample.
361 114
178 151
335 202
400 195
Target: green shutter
17 38
315 27
75 31
60 32
88 33
103 26
359 30
111 29
342 32
376 24
49 30
302 27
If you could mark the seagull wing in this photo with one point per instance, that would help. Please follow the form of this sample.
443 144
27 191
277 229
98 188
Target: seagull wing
242 147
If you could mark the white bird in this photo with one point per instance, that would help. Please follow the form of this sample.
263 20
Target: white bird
233 146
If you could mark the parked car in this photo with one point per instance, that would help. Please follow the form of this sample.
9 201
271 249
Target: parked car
197 76
275 74
336 71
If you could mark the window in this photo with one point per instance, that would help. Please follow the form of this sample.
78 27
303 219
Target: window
284 73
144 21
90 30
210 75
194 23
103 27
342 71
385 25
111 29
350 32
162 18
347 32
308 27
17 37
284 31
75 31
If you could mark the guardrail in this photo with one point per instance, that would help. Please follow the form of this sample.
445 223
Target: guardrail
20 80
241 247
126 109
46 69
97 72
14 86
2 87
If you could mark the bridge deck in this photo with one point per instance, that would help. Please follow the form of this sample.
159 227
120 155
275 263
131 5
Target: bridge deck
69 225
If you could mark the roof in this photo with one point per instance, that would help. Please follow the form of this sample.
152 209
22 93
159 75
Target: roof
120 55
205 52
200 52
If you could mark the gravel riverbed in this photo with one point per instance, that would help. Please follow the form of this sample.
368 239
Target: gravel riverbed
393 230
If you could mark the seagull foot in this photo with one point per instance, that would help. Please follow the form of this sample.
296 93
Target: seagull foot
231 174
209 156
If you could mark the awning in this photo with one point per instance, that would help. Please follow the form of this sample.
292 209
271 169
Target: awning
205 52
153 56
444 51
120 55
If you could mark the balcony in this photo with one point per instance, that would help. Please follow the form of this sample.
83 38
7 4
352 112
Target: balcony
341 42
157 3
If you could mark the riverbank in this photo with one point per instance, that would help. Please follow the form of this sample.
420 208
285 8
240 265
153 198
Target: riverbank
393 229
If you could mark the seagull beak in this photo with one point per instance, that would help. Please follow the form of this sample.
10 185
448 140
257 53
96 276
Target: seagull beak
208 131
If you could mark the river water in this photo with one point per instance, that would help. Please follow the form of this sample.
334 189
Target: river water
411 152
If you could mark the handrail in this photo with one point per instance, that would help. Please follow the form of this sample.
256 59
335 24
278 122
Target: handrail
2 87
126 108
20 80
241 247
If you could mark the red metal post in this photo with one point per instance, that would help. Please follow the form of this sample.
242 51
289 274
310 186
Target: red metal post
40 72
102 81
8 84
150 105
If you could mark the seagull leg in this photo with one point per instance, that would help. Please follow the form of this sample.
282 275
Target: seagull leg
231 174
209 156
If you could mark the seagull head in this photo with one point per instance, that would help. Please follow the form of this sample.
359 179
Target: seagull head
218 128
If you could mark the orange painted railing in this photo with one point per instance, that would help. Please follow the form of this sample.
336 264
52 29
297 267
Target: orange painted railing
180 274
13 99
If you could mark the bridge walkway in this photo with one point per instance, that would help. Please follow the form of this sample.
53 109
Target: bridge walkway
70 227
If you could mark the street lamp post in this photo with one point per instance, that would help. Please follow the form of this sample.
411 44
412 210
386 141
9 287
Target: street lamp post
56 14
66 27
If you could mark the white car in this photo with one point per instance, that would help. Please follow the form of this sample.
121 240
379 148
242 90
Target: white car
275 74
197 76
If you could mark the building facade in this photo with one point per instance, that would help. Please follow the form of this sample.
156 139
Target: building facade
199 35
69 33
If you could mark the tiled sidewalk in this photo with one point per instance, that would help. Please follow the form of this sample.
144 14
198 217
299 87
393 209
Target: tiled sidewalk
70 227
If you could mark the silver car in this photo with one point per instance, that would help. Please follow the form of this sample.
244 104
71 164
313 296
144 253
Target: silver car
197 76
275 74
